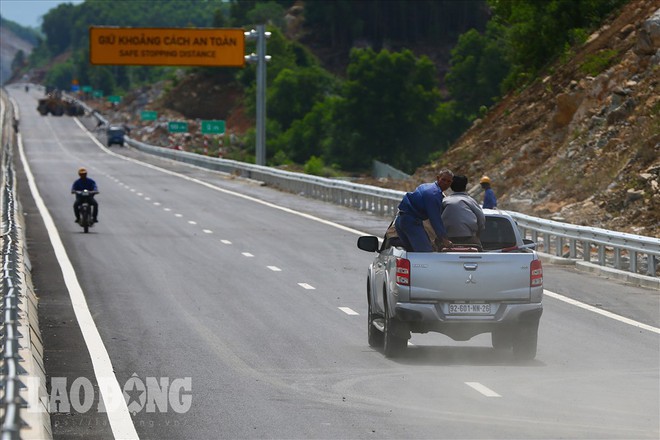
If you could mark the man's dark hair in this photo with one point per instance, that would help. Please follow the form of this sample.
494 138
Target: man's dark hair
459 183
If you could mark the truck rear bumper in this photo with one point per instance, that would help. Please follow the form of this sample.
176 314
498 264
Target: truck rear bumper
425 317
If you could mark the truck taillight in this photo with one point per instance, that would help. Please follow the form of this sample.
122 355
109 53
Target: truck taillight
536 274
403 271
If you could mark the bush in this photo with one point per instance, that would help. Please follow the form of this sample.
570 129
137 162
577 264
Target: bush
598 62
314 166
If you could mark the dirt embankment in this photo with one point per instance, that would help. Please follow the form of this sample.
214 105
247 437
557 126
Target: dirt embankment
576 145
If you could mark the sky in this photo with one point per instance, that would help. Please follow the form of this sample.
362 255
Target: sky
29 12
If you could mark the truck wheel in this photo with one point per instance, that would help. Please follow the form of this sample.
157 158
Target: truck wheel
502 339
393 344
525 341
374 336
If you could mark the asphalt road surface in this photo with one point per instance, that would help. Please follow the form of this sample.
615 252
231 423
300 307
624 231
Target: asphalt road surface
226 309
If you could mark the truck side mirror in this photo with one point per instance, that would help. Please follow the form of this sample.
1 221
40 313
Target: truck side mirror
368 243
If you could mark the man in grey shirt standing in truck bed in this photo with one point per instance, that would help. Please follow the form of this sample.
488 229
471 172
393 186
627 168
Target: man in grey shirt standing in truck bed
462 216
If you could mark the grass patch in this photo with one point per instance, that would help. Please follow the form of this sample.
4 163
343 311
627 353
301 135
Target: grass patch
598 62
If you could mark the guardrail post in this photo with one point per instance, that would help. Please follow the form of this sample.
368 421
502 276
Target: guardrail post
633 261
651 269
586 251
546 242
572 248
601 255
617 258
559 251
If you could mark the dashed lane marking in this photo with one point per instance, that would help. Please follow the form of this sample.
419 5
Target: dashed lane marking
482 389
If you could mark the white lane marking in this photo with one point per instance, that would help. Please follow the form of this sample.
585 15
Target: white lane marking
178 215
156 203
167 209
208 231
289 210
349 311
225 241
111 392
247 254
139 194
132 189
192 222
274 268
602 312
306 286
147 198
482 389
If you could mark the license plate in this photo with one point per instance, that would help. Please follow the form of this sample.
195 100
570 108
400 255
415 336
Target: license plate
478 309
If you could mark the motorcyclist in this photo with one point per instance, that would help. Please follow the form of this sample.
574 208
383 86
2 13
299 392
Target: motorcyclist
85 183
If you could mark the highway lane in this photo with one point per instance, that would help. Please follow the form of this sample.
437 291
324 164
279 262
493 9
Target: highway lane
186 281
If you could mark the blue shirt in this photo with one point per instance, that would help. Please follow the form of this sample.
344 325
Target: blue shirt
425 203
84 184
490 201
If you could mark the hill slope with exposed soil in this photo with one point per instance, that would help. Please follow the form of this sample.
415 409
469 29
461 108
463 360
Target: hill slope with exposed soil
577 146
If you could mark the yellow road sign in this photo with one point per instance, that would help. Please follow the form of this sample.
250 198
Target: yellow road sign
167 46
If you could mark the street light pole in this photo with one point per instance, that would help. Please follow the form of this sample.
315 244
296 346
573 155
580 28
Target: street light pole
260 58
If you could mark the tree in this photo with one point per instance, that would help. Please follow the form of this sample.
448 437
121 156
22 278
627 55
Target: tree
478 66
267 13
538 31
57 24
295 91
385 113
61 76
310 136
18 62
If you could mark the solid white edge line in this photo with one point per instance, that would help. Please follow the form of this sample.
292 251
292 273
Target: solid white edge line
336 225
349 311
111 393
482 389
601 312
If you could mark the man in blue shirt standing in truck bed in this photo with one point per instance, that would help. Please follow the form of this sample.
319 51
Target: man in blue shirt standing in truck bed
425 203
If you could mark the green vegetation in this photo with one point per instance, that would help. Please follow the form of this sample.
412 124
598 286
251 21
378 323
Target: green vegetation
598 62
386 102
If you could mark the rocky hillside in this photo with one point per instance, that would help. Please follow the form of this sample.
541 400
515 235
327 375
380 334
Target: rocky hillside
582 144
10 44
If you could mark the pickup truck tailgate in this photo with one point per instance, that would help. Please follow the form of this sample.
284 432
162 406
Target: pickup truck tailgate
479 276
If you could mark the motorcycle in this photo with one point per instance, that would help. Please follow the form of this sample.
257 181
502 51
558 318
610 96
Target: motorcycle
86 219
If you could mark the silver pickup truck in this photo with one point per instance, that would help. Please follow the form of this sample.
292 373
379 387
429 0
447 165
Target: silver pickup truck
461 293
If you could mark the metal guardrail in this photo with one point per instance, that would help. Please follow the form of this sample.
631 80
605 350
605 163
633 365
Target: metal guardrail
10 383
628 252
